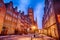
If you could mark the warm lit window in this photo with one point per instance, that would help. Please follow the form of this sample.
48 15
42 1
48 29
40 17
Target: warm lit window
58 18
10 19
6 17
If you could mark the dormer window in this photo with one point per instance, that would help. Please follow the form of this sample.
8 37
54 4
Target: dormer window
10 7
0 4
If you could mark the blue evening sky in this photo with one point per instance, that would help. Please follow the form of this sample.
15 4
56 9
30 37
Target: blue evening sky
37 5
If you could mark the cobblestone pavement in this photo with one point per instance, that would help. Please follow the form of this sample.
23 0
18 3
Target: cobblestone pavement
24 37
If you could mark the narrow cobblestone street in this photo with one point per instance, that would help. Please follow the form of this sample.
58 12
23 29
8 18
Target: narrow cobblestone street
24 37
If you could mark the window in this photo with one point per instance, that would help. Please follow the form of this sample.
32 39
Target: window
10 18
0 10
15 20
0 4
10 7
9 12
30 13
58 16
16 16
6 17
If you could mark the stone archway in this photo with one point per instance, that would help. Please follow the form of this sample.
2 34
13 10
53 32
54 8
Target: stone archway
4 31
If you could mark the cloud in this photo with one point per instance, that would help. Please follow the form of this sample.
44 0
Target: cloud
24 5
37 5
6 1
39 10
24 2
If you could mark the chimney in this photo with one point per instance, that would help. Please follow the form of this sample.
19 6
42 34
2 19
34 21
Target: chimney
19 11
22 12
15 9
11 3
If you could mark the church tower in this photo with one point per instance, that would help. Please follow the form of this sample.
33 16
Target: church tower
31 15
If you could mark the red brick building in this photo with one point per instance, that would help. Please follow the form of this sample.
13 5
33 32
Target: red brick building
14 22
33 23
15 19
51 18
19 29
8 18
2 14
27 23
31 15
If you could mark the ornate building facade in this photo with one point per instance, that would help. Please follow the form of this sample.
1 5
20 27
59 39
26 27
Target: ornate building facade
8 18
33 23
51 18
14 22
2 14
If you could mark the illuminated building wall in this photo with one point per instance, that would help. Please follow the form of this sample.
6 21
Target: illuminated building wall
8 18
15 19
2 14
51 14
19 22
57 12
31 15
22 21
12 21
27 22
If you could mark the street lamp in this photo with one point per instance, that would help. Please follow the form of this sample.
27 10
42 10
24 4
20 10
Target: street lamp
34 29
